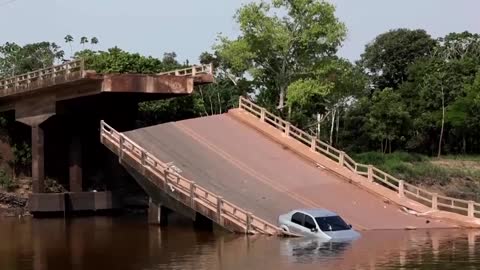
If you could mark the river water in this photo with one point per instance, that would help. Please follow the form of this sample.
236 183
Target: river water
129 243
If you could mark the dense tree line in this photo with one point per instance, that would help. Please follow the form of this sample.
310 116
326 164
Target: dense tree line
408 91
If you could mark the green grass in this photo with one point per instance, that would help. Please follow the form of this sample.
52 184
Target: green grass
418 169
462 157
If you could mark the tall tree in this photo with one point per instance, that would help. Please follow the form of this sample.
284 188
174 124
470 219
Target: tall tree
94 41
387 118
277 51
69 41
83 41
389 56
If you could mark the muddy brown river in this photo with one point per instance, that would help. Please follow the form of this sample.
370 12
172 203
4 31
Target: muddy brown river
129 243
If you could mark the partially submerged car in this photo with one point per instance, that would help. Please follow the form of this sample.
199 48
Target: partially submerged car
319 223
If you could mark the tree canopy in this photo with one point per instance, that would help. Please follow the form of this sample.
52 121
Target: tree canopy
279 50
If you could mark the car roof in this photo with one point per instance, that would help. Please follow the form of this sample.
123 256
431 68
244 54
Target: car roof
318 212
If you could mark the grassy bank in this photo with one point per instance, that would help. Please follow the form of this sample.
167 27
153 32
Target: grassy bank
457 176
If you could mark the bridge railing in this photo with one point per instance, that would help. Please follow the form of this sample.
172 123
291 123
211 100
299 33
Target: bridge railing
23 81
197 196
368 172
190 71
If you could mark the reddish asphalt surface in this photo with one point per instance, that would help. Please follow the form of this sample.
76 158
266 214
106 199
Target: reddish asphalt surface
250 170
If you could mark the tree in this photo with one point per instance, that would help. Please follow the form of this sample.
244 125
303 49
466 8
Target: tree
83 41
389 56
325 93
442 79
224 93
170 60
10 57
15 59
69 41
94 41
116 60
277 51
387 118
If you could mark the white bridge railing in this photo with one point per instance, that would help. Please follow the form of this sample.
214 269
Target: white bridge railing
190 71
369 172
196 196
25 80
21 83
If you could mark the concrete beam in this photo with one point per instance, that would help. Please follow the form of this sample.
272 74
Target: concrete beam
36 110
139 83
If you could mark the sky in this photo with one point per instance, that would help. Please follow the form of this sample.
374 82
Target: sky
189 27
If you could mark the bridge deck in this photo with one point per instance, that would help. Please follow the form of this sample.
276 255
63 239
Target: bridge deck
233 160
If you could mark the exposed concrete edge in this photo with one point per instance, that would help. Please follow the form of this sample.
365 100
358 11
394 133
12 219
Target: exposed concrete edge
333 167
157 195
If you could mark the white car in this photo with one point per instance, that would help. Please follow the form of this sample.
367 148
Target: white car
319 223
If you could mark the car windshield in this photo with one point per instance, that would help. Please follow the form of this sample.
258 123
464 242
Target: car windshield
332 223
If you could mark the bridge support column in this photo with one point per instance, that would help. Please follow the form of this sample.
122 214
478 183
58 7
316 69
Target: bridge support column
75 170
38 159
33 112
157 214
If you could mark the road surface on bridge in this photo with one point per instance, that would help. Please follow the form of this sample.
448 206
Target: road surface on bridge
248 169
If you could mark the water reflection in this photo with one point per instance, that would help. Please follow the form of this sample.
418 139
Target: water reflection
130 244
301 250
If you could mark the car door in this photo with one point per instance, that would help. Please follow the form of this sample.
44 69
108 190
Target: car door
296 223
309 224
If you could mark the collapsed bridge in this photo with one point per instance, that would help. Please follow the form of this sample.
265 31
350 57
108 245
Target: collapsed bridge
244 168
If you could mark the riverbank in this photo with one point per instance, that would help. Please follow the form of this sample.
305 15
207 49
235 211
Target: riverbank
455 176
12 204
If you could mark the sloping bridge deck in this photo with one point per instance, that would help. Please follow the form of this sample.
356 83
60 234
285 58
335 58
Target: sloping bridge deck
229 158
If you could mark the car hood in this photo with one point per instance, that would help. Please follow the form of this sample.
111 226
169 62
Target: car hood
343 235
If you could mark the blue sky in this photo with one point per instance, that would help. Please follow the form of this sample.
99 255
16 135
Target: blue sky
188 27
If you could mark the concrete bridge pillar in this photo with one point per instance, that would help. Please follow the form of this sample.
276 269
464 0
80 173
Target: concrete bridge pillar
33 112
75 164
157 214
38 159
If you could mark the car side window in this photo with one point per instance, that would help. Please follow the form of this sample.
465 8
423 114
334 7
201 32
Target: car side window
297 218
309 223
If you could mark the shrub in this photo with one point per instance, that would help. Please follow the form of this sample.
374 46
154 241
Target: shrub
22 157
7 182
374 158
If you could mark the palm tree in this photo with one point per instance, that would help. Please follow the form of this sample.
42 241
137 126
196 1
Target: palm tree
69 40
94 41
83 40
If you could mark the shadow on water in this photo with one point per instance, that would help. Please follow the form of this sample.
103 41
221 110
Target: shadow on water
102 243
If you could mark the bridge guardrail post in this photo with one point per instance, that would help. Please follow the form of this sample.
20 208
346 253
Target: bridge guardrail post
287 129
471 209
249 222
401 188
165 182
219 209
370 173
143 161
435 201
120 148
341 158
102 131
313 143
262 115
192 195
